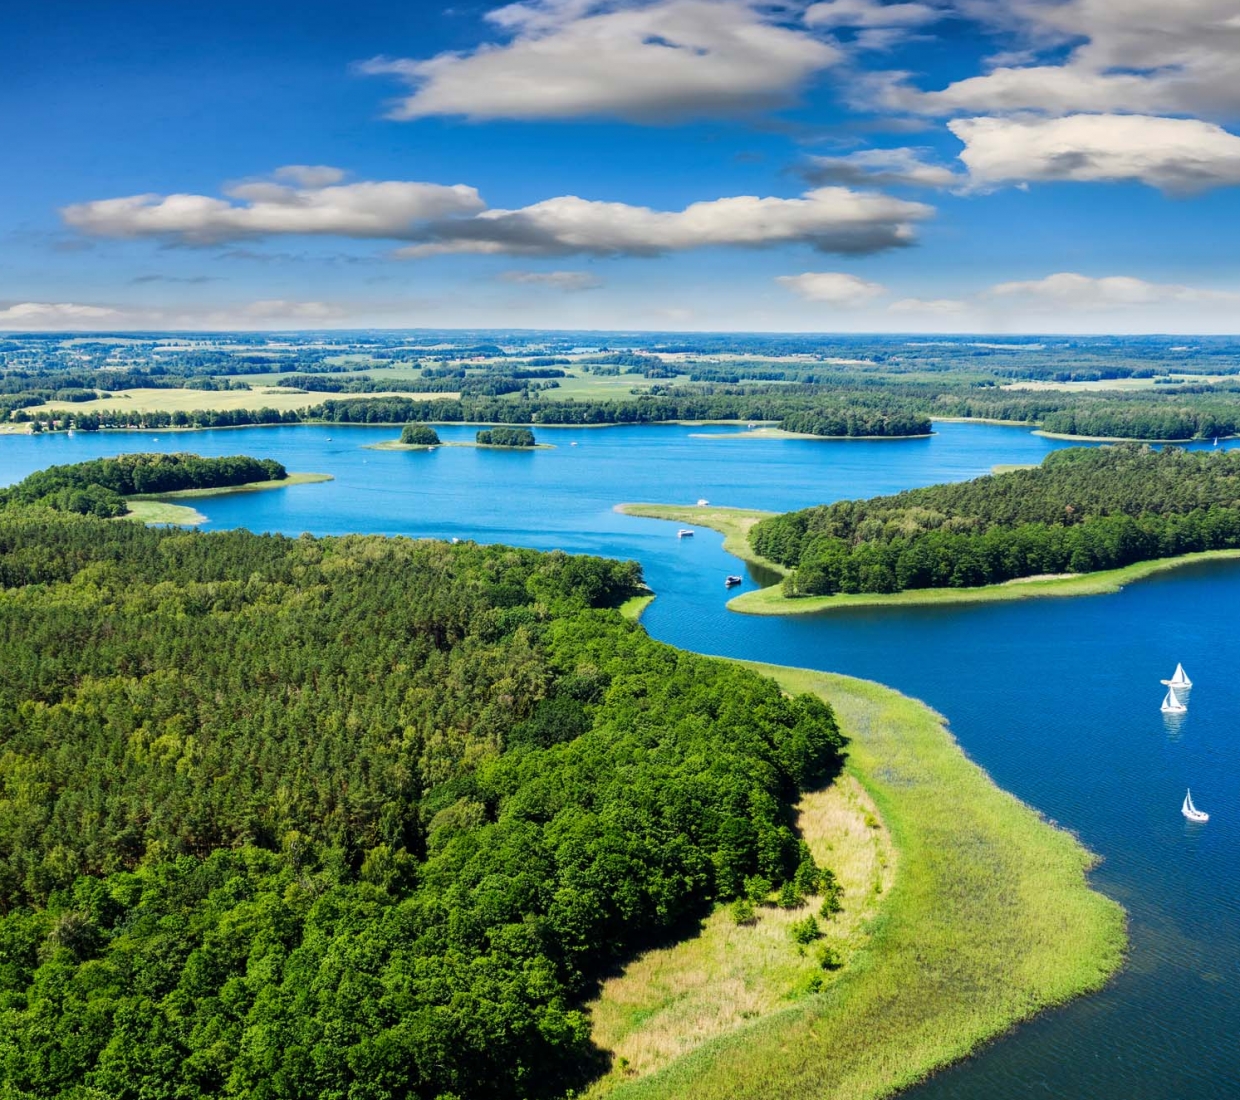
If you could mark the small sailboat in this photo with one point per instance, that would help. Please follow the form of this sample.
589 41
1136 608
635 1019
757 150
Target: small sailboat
1180 679
684 533
733 580
1191 812
1172 705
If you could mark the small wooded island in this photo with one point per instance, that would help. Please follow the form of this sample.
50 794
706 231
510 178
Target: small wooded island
515 438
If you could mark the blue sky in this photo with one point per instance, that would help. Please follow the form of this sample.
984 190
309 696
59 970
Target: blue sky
847 165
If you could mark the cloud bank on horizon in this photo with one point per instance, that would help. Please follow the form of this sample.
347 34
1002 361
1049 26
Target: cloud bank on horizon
967 164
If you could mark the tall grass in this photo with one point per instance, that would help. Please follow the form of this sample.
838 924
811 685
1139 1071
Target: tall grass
989 920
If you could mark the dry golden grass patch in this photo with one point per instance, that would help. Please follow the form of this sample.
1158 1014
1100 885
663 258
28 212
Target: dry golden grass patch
673 999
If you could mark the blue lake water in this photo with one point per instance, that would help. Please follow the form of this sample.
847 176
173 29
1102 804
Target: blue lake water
1058 699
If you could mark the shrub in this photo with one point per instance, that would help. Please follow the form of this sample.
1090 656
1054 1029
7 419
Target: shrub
743 911
790 897
805 931
757 889
829 958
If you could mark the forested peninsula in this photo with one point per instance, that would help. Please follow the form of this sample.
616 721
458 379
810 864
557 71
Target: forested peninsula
1087 520
356 816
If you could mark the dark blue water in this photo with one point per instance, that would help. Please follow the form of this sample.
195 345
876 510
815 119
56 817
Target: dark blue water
1058 699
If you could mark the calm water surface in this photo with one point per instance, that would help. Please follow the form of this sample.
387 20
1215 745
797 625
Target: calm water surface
1058 699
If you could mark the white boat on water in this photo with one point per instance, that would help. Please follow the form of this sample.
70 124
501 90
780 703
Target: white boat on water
1172 705
703 503
1180 679
1190 811
684 533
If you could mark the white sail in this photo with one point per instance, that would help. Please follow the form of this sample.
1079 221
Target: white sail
1171 704
1190 811
1179 679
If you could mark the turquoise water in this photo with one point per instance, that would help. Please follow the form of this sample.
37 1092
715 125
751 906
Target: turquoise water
1058 699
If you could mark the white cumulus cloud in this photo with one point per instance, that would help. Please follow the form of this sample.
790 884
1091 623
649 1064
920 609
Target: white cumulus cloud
1069 290
1148 56
834 287
1176 155
633 59
830 219
311 205
36 316
433 220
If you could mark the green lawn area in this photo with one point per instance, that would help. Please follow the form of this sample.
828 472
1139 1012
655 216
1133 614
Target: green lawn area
160 511
989 920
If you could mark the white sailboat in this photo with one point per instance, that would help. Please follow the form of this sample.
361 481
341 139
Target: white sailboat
1180 679
1172 705
1190 811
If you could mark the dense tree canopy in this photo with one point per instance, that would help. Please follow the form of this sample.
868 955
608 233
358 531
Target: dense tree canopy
506 437
352 817
1082 510
419 435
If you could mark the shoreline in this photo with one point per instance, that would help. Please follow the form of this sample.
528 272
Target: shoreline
779 433
990 921
162 507
733 523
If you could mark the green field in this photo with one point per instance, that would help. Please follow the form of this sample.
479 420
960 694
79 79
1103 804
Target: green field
989 920
262 397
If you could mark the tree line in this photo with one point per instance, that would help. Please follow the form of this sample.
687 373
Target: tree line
1082 510
353 817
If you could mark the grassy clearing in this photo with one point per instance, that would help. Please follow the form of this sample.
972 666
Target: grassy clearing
261 397
772 601
633 607
1012 467
989 920
224 490
160 511
673 999
733 523
1114 384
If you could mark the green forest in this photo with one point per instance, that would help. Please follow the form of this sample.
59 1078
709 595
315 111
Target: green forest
506 437
1082 510
352 817
98 487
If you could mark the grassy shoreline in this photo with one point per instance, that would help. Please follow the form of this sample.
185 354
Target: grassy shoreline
162 507
989 921
735 523
772 601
